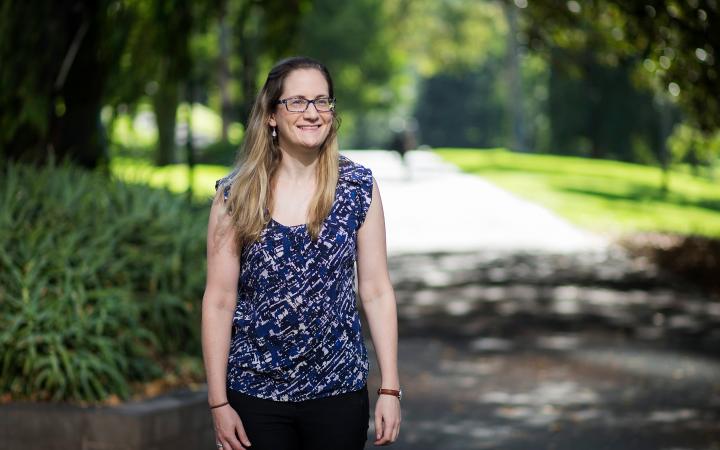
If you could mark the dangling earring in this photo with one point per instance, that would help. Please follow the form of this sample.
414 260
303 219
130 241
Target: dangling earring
274 133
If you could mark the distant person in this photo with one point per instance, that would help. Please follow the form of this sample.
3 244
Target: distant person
403 140
284 355
398 144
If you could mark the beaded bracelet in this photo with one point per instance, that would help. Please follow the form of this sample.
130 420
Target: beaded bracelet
217 406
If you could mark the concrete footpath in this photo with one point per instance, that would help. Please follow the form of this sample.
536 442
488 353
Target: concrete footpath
431 206
521 331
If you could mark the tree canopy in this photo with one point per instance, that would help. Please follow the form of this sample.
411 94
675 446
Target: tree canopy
477 73
670 43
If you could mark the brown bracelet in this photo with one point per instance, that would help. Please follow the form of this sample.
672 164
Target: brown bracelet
217 406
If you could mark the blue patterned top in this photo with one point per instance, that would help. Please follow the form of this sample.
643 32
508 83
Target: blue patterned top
296 329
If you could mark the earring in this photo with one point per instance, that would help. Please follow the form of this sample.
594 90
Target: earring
274 133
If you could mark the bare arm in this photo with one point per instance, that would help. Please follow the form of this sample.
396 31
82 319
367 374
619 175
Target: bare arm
378 300
218 307
219 300
376 292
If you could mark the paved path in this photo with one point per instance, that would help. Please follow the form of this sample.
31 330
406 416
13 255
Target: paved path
519 331
528 351
431 206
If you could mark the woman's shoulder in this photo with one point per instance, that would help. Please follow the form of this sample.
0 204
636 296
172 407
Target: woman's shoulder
353 172
358 179
225 182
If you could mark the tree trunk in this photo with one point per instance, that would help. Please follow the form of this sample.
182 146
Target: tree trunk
247 78
165 103
224 73
246 37
664 130
515 97
65 85
189 144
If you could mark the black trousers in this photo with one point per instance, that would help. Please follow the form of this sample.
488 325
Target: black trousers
338 422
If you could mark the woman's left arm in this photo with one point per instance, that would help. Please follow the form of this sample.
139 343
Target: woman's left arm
378 301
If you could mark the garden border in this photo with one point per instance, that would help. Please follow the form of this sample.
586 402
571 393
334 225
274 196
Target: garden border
178 420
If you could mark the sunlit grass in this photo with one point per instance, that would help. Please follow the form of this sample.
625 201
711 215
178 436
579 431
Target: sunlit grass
174 177
605 196
139 131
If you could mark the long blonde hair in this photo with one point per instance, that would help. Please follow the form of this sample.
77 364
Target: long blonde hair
250 198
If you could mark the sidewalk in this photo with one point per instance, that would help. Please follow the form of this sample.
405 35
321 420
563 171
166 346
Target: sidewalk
552 352
519 331
430 206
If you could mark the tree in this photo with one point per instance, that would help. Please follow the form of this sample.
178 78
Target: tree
157 62
455 51
56 60
464 108
353 40
669 42
262 33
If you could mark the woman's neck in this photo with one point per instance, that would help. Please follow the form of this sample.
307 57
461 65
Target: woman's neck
298 165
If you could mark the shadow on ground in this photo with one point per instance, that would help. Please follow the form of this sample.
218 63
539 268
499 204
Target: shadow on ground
541 351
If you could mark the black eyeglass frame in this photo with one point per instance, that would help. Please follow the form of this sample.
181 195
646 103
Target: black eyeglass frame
284 101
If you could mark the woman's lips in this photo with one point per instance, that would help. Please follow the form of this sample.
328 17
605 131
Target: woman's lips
309 127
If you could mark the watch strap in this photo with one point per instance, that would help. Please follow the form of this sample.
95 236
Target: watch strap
392 392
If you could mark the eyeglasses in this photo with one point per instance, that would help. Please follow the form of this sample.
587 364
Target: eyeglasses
300 104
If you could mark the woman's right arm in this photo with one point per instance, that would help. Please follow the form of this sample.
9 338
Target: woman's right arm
218 307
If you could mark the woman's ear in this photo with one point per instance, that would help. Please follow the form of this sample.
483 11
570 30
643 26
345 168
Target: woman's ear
271 121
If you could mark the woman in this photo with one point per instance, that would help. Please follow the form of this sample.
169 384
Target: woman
284 356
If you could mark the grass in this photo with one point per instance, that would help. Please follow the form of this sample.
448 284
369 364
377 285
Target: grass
605 196
134 140
174 177
140 130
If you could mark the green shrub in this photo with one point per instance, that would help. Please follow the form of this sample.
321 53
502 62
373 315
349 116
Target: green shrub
100 283
220 153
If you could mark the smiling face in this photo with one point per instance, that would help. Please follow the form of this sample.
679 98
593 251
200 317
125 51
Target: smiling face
307 130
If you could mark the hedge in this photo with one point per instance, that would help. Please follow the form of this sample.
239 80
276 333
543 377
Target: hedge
100 283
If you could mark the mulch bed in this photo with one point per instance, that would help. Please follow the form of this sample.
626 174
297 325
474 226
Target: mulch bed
696 259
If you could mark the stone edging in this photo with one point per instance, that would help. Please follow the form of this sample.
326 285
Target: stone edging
179 420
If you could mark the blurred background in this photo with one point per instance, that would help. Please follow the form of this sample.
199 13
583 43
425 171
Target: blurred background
570 146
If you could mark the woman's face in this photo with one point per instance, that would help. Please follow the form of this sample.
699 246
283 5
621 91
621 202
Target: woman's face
302 130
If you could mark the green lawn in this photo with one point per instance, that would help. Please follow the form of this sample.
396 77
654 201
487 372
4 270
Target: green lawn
174 177
605 196
141 136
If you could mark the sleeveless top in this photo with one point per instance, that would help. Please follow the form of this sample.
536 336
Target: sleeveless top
296 332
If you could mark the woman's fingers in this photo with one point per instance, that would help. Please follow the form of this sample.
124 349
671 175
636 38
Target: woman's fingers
230 431
397 428
386 432
224 442
387 422
234 444
378 425
231 442
242 435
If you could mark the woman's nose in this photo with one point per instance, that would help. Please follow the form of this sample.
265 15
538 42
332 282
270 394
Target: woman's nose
311 111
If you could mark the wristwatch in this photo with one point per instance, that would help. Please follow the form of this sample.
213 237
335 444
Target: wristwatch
392 392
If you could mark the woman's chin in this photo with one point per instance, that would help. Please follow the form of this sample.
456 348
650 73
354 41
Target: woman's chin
313 143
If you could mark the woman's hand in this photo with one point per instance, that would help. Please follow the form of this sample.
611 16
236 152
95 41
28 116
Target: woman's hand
229 430
387 419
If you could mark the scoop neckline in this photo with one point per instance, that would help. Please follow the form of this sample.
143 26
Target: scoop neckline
281 225
302 225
